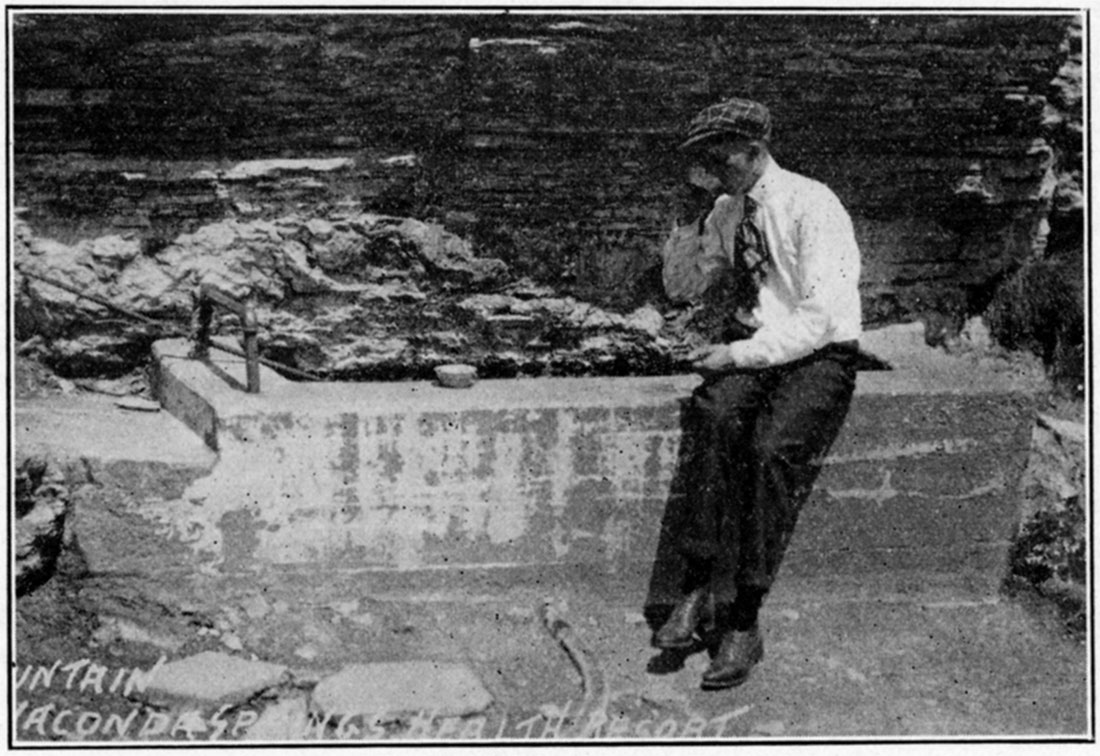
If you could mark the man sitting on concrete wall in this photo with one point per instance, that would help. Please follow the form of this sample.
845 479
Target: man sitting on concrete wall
779 251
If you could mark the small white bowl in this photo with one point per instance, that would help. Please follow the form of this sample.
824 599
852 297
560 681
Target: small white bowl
456 376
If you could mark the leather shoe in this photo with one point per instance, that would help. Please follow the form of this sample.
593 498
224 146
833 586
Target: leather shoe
737 654
679 629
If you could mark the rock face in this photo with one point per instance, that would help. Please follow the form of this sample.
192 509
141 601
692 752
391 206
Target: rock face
350 296
41 503
1055 476
1051 552
546 130
315 279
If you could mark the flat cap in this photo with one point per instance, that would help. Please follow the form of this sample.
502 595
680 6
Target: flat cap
737 117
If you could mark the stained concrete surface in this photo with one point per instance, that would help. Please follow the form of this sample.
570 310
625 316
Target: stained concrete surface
568 470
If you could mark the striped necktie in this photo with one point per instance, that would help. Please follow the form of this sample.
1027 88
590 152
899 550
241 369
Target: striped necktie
751 256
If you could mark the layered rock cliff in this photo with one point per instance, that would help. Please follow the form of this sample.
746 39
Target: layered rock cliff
546 141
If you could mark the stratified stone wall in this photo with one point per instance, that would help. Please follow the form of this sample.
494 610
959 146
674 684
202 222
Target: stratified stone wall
550 138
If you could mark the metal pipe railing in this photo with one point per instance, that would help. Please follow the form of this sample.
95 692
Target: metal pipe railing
167 328
209 296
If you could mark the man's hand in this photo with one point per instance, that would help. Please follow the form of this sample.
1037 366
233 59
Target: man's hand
711 359
691 202
695 197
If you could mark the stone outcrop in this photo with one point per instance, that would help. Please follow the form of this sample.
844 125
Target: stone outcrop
315 280
1032 186
350 296
1055 476
1051 551
1063 123
552 135
41 503
1033 297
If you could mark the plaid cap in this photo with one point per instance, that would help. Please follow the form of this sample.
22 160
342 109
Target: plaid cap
744 118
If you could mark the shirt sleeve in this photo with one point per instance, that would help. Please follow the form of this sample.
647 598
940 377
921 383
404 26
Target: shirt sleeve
828 270
691 255
683 264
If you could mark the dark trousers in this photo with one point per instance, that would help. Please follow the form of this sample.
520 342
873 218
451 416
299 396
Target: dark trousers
757 439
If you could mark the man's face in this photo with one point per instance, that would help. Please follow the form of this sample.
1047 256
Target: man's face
731 162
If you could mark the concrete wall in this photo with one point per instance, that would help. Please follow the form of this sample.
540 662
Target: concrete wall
562 473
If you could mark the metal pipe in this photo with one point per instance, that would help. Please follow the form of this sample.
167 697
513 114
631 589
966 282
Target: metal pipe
252 352
204 315
99 300
171 330
209 291
209 296
269 363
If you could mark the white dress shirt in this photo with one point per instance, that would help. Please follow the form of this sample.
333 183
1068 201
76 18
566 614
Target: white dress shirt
810 295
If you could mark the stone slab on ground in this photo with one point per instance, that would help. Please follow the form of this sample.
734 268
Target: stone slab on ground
385 688
286 720
212 676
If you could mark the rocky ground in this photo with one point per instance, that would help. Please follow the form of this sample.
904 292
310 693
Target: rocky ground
837 665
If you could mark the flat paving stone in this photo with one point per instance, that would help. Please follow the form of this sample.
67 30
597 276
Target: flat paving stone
285 720
213 676
442 688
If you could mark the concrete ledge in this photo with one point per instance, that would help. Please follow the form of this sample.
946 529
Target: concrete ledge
95 441
560 472
189 389
129 459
